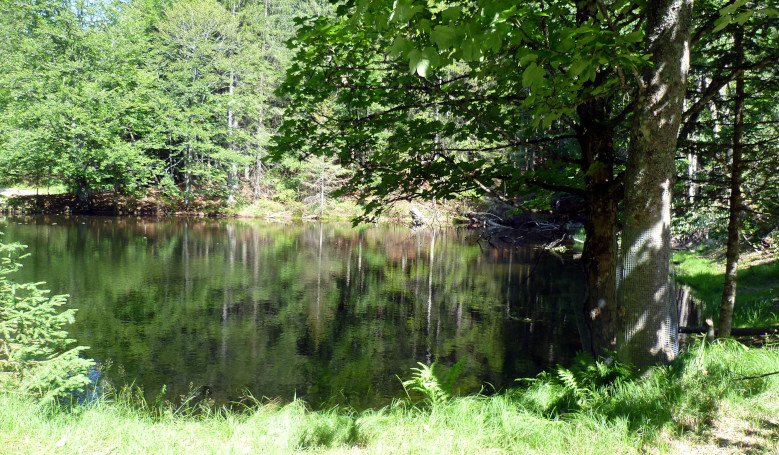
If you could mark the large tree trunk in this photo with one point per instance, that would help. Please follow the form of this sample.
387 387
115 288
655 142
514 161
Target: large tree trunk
648 323
734 222
599 257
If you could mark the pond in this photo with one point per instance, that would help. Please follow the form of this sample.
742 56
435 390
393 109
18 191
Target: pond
324 312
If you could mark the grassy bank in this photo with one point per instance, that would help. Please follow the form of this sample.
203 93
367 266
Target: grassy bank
700 404
757 300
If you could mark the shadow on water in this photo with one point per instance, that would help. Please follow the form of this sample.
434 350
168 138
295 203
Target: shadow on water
327 313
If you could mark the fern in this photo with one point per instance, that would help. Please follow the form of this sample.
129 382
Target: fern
585 383
571 386
430 381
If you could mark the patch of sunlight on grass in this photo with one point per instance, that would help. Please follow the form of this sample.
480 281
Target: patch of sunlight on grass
757 300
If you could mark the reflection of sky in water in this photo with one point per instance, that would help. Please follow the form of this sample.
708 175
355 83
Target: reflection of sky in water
93 391
324 312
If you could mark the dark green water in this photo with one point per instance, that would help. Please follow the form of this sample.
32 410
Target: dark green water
327 313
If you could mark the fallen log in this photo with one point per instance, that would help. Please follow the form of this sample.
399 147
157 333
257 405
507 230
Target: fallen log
736 331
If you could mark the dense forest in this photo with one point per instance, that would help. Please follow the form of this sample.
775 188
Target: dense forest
617 111
127 96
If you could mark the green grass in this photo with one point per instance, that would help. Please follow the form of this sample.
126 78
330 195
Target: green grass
688 405
757 299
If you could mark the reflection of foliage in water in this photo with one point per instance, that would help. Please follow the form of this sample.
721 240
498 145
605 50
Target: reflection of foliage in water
326 313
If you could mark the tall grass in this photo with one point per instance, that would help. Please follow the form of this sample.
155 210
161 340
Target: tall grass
588 408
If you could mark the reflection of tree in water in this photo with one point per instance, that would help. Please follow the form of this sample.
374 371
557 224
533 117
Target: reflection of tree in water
317 311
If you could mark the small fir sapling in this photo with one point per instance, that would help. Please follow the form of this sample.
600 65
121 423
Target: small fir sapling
35 354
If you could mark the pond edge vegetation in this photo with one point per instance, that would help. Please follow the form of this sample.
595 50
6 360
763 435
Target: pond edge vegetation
588 407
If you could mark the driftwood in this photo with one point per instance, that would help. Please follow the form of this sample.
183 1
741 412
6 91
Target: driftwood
745 331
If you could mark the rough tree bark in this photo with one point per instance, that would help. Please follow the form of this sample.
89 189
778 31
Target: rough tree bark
647 329
599 256
734 221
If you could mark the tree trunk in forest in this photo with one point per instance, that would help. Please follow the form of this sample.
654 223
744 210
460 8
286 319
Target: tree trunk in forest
258 171
322 189
258 176
599 257
734 221
692 170
232 125
232 173
648 324
188 176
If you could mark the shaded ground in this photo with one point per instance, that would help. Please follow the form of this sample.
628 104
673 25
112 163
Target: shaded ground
153 203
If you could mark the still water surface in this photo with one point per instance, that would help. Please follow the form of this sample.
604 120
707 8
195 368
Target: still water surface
323 312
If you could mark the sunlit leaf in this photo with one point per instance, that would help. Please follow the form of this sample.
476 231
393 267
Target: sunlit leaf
418 62
722 22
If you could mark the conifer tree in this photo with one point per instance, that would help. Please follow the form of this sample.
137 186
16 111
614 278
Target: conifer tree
36 357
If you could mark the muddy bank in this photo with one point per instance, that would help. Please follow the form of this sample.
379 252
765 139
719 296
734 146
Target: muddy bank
151 204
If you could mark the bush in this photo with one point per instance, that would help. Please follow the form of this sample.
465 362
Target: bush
35 358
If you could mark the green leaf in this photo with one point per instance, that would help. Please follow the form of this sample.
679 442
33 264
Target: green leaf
443 36
381 22
744 17
548 119
532 76
403 11
634 37
722 22
471 51
492 41
431 54
451 14
578 67
401 46
730 9
418 63
527 59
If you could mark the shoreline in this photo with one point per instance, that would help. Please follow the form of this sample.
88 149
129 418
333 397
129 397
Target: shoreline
697 407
